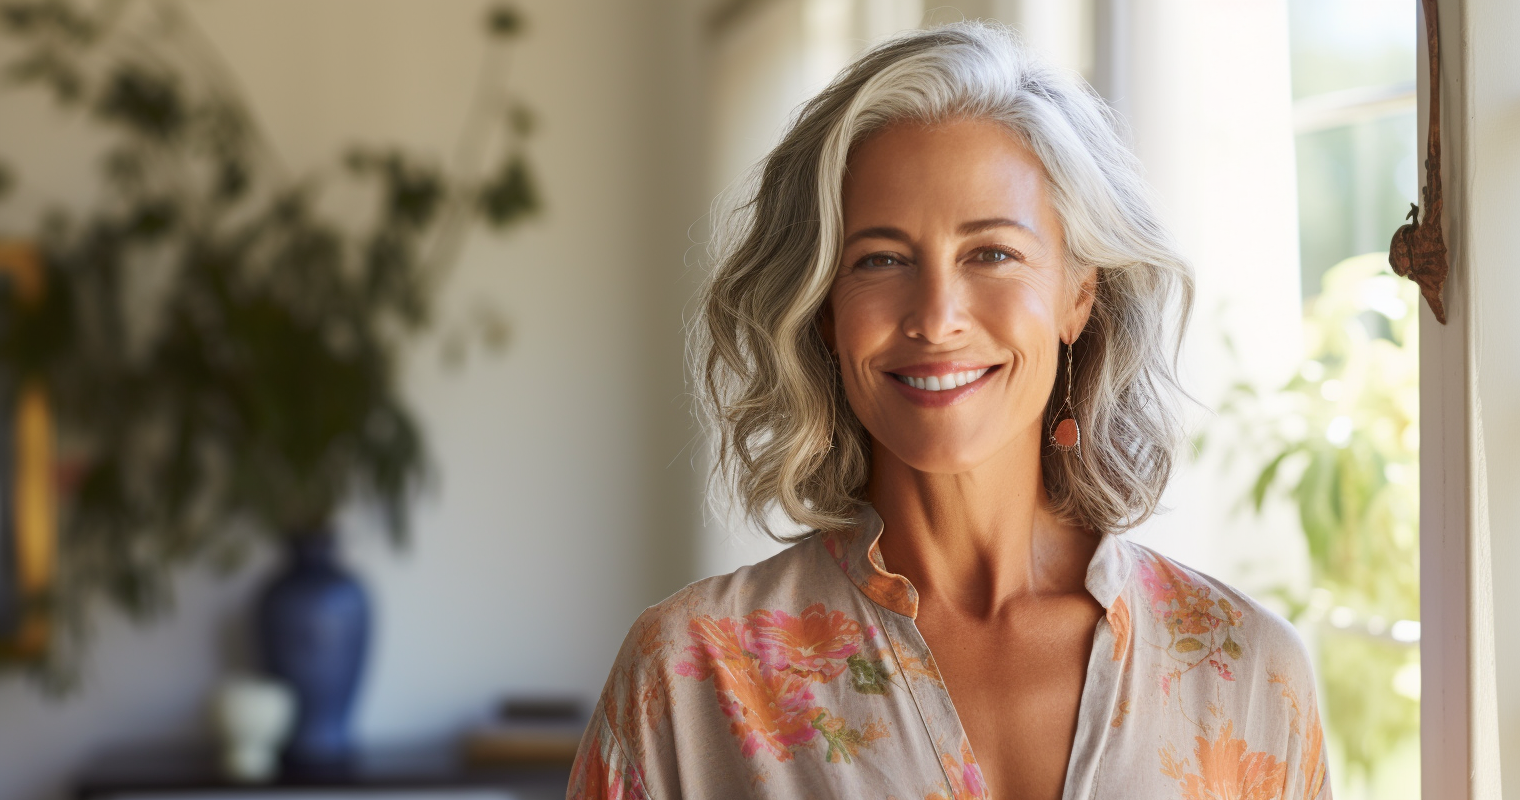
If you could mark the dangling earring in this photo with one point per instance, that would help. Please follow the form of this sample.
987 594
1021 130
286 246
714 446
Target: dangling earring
1066 435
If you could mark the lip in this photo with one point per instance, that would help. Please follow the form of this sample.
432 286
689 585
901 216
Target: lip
947 397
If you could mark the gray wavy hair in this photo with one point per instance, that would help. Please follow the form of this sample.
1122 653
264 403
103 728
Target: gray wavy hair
786 436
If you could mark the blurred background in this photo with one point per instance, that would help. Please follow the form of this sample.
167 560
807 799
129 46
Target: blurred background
507 208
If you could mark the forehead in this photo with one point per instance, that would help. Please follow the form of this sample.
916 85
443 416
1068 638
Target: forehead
955 170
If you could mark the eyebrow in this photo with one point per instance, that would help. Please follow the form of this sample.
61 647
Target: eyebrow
977 226
966 229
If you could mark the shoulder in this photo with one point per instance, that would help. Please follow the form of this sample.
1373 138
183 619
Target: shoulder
681 634
1190 613
1221 670
655 710
794 575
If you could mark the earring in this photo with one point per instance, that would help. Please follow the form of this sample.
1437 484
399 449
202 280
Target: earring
1067 435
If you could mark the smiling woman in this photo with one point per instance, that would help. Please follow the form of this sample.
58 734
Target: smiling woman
947 226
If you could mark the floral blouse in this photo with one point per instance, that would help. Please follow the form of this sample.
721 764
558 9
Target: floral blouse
804 676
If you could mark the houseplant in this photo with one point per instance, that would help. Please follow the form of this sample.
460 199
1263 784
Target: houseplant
1340 441
221 349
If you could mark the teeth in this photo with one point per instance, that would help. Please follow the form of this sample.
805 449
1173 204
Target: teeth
940 383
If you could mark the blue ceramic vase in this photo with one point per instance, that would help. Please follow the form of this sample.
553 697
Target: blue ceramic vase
313 630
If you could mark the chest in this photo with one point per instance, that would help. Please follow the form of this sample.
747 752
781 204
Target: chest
1016 681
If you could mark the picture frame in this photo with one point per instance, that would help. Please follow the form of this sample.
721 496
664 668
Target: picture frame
28 506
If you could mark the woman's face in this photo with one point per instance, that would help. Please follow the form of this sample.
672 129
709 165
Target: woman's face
953 280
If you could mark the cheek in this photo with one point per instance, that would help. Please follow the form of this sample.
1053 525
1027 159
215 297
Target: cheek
1025 323
1023 304
864 322
864 327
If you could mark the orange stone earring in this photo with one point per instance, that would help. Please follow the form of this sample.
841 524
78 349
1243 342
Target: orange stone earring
1066 435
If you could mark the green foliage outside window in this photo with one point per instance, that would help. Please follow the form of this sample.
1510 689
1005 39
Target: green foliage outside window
1340 440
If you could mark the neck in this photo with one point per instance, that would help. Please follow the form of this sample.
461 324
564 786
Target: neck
981 539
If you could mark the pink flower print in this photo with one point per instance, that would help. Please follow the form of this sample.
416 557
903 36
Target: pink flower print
966 781
816 643
763 667
837 551
1183 607
715 641
771 709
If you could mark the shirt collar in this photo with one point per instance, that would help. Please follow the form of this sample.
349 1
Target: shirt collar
857 551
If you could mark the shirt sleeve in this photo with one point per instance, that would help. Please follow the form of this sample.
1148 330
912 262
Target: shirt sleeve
627 751
1313 765
602 770
1308 758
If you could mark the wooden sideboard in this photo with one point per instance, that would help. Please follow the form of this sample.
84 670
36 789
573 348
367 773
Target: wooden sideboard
378 777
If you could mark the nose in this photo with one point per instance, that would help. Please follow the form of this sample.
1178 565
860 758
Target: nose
937 310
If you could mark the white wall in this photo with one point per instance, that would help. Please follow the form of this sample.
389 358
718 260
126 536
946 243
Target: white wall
566 499
1492 169
1210 107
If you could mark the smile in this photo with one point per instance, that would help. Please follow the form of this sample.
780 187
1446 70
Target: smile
943 383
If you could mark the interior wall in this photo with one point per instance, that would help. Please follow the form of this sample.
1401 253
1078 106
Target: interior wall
1492 204
1209 107
564 497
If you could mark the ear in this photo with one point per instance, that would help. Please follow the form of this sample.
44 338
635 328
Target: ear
1081 310
825 323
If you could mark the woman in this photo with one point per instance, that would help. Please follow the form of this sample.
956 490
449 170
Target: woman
946 343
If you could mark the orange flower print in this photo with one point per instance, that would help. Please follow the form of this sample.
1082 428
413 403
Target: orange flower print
1118 620
764 666
771 710
715 641
1312 735
923 667
1179 604
1120 714
1227 770
818 643
966 781
1314 741
593 778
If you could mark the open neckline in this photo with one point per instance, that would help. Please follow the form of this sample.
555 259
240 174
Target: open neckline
857 551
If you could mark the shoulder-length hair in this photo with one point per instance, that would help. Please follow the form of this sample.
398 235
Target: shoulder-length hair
787 438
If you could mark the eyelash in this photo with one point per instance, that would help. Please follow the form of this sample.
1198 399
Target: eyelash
865 261
1010 253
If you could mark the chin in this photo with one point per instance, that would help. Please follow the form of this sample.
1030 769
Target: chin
940 457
